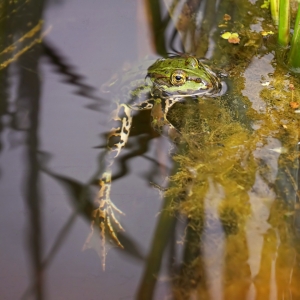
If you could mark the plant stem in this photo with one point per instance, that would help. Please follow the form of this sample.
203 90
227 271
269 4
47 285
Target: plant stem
294 55
284 23
274 5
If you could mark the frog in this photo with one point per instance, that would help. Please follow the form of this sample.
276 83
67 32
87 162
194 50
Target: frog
167 81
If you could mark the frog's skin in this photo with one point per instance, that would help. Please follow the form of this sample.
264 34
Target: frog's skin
180 77
168 81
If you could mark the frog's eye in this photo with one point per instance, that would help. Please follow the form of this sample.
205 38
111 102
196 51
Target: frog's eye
178 77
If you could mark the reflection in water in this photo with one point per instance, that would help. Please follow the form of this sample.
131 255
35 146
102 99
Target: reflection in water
212 240
25 117
229 225
69 73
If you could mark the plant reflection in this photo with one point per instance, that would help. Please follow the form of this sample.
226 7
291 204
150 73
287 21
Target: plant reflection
25 117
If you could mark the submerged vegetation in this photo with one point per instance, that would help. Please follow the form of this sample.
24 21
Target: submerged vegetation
234 187
231 175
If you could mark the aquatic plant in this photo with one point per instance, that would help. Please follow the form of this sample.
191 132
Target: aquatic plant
284 23
281 15
294 57
274 6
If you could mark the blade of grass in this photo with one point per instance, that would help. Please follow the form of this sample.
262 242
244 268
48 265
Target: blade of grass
284 23
274 6
294 54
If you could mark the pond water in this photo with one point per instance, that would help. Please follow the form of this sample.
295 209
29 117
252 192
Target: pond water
215 216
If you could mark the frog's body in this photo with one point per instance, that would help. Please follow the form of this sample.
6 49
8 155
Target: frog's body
168 81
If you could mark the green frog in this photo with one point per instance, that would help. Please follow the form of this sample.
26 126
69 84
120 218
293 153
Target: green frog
168 80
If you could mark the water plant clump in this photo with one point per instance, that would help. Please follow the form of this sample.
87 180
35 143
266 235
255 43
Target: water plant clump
236 162
282 14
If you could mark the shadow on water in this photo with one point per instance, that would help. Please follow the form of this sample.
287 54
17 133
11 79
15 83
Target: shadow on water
21 53
25 117
229 222
22 57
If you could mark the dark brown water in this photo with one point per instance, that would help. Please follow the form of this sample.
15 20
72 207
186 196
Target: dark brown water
230 224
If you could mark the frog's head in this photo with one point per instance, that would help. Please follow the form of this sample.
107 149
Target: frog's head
183 76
